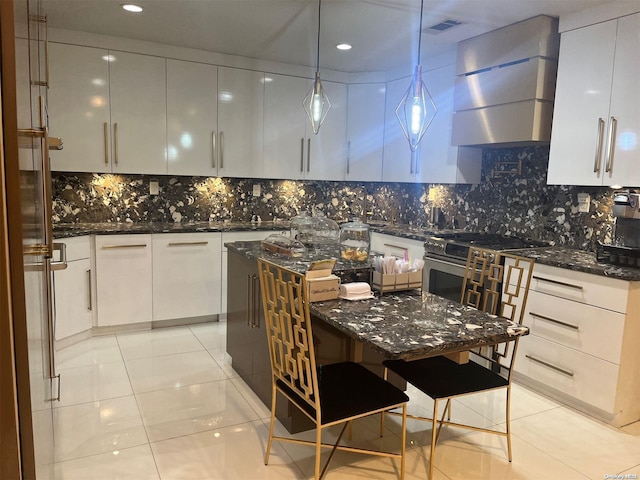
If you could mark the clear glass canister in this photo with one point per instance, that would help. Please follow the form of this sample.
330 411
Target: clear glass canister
354 241
303 229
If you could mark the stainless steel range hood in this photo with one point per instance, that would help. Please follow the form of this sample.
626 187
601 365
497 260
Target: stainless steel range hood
505 85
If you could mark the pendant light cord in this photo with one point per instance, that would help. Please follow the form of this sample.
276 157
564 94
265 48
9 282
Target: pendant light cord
419 33
318 51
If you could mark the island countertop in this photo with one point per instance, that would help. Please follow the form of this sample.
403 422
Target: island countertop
402 326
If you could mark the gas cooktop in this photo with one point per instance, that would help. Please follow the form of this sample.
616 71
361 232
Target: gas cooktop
457 244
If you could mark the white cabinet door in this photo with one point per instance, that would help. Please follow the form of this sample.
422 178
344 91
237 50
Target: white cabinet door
191 118
365 132
285 139
79 107
186 275
138 113
398 163
581 108
438 161
73 293
625 105
435 160
291 150
596 119
327 157
123 279
240 122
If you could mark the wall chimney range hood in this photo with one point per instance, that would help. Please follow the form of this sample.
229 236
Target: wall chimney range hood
505 85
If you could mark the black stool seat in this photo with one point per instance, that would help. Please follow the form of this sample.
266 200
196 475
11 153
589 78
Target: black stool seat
347 390
439 377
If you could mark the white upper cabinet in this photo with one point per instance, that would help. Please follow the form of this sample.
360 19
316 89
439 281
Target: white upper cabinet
596 122
365 132
291 150
328 155
191 118
109 108
138 113
398 164
439 161
79 108
240 122
435 160
284 127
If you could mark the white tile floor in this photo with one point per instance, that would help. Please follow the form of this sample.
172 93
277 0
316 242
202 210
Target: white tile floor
166 404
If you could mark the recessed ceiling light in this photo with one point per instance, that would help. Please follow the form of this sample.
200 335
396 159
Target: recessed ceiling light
343 46
130 7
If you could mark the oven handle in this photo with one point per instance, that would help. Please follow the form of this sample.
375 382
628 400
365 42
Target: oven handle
454 268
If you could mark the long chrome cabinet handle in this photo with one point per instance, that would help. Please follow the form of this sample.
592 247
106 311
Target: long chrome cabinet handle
221 149
90 303
550 365
106 143
308 154
301 155
48 300
213 149
598 158
256 310
43 19
553 320
613 126
115 143
556 282
348 156
396 246
249 300
182 244
133 245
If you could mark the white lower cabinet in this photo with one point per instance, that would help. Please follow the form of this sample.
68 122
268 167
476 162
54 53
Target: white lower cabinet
123 279
186 275
399 247
581 347
72 286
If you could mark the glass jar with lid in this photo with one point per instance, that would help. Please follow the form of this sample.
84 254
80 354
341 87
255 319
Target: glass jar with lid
355 241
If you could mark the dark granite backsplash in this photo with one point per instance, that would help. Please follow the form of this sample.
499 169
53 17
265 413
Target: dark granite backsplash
517 204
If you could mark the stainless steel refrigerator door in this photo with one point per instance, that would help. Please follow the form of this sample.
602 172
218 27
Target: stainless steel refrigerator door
31 77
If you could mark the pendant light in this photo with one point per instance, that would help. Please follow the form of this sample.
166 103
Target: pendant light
417 108
316 103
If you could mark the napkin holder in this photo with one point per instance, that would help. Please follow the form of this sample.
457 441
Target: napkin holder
321 283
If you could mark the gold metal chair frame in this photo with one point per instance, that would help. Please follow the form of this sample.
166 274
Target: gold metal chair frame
293 363
491 278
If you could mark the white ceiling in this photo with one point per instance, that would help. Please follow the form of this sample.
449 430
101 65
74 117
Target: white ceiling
384 33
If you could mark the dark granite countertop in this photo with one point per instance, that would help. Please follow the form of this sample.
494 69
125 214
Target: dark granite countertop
402 326
66 230
579 260
347 271
561 257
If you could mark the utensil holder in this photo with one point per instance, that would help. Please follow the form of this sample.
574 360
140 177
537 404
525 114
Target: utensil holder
396 282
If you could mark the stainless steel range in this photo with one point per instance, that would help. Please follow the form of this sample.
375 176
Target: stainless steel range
446 254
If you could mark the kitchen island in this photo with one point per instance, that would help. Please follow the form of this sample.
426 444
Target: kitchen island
396 325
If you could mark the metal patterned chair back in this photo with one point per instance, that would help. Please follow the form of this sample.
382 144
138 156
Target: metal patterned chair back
286 311
497 283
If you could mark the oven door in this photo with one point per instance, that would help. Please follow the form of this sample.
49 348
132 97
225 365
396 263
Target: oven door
443 277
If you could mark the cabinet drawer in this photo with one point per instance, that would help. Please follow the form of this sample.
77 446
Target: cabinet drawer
396 246
590 329
581 287
78 248
584 377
